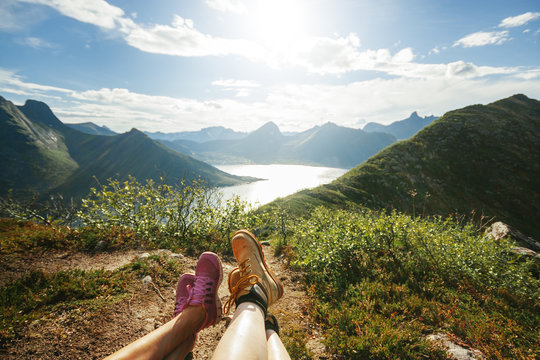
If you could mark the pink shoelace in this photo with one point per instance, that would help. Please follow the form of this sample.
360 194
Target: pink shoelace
202 291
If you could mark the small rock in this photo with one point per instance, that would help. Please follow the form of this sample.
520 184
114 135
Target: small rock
101 245
456 351
147 280
176 256
144 255
265 243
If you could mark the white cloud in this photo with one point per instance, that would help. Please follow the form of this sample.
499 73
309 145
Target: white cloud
182 39
35 43
96 12
519 20
16 84
483 38
291 106
178 39
241 88
14 17
403 56
232 83
235 6
323 55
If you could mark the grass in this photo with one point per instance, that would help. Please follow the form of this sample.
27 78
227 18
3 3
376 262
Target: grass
380 283
18 236
36 294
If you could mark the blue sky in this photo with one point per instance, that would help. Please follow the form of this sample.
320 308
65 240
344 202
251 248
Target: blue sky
188 64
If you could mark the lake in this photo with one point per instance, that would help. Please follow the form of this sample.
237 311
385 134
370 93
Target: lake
281 180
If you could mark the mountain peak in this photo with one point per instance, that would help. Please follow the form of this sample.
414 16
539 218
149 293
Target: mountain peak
136 133
329 125
268 129
40 112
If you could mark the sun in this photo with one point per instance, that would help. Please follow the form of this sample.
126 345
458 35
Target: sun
280 25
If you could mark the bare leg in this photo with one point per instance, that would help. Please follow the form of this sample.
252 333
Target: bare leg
276 349
163 340
245 337
181 351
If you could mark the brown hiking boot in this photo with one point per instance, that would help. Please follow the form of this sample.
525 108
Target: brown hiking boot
252 281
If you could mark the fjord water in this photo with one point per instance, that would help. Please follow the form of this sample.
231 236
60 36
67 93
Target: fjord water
280 180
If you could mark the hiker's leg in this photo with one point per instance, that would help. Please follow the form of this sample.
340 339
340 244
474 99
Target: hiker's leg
245 337
163 340
276 349
181 351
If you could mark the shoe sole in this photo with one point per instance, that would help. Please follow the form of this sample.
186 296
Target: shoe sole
218 284
253 239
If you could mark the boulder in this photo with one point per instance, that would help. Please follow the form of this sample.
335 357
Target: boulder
499 230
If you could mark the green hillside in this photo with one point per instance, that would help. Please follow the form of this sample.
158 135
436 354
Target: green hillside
33 157
481 159
40 154
135 154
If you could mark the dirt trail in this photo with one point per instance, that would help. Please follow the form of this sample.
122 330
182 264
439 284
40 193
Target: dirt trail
82 334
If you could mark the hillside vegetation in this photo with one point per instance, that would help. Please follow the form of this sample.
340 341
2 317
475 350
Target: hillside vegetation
378 284
476 161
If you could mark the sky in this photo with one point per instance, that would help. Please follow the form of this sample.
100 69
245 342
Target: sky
183 65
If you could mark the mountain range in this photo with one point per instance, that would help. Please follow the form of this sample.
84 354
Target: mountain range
207 134
40 154
402 129
91 128
482 161
326 145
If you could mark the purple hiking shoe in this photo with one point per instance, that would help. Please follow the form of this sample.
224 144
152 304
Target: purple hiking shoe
208 276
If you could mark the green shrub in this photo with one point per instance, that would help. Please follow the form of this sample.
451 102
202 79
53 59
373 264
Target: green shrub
188 217
380 282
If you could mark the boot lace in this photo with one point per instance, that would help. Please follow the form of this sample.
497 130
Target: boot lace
246 280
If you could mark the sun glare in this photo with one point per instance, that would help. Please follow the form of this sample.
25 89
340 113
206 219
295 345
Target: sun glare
280 25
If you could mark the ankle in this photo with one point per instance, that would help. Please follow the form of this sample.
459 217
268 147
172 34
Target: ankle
197 313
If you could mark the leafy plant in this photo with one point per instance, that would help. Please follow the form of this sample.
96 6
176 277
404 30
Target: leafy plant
379 282
186 216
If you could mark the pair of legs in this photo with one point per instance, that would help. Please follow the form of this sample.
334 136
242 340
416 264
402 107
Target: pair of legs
252 334
247 338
